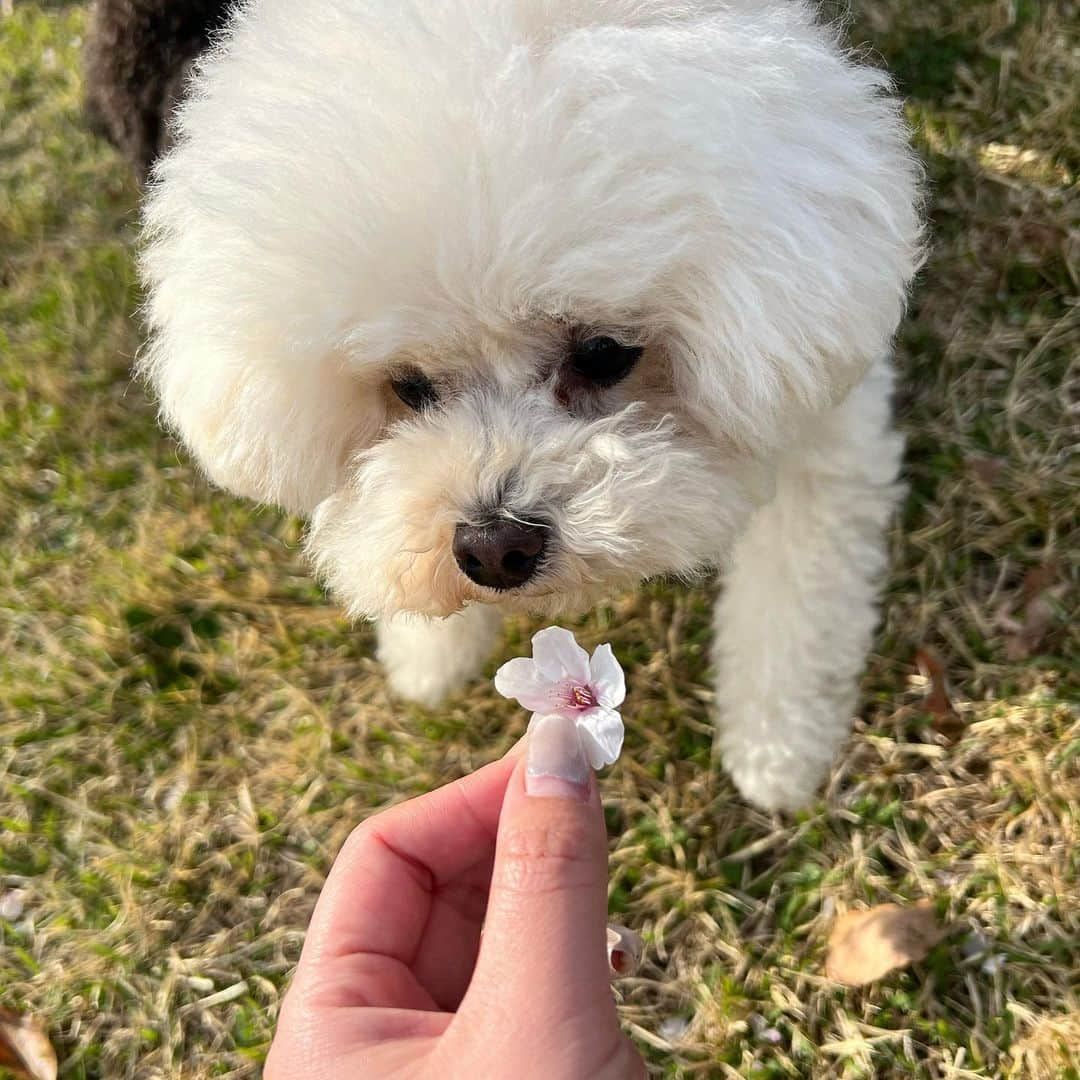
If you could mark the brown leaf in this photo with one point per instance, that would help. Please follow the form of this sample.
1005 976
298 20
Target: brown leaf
25 1048
947 721
624 949
1038 595
986 470
865 945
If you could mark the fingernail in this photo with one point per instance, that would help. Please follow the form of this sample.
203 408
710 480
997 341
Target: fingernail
555 764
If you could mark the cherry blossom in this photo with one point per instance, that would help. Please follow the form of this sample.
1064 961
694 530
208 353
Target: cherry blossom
561 678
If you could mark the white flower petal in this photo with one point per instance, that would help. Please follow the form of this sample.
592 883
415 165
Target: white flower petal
522 680
601 733
559 657
606 677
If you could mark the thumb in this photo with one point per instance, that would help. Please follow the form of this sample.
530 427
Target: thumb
543 957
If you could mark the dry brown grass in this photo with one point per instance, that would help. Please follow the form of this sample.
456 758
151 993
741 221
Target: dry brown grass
189 729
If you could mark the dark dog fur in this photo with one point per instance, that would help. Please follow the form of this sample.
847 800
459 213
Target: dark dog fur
138 57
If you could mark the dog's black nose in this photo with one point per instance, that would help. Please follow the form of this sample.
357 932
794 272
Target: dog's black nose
499 555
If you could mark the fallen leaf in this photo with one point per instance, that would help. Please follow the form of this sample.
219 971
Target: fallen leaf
946 720
673 1028
1023 162
25 1049
1040 592
624 949
865 945
986 470
763 1031
12 904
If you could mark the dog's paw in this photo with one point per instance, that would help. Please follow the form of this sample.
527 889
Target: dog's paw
769 766
772 792
410 681
428 660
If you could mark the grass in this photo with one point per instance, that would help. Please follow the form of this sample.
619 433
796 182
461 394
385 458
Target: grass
188 728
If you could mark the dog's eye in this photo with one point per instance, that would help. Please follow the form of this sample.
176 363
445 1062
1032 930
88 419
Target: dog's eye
415 389
603 360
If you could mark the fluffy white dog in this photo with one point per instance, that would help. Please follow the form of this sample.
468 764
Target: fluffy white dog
523 301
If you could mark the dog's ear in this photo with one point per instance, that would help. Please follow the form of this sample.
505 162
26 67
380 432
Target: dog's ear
245 352
268 414
264 419
789 311
754 387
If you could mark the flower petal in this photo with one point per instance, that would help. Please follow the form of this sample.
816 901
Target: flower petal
606 677
559 657
522 680
601 732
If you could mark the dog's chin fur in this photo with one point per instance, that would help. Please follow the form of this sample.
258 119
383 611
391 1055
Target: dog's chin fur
622 497
360 186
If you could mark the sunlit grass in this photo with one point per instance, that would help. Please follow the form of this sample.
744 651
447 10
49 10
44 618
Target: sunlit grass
189 728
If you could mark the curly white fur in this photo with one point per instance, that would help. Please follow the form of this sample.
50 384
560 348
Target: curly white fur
360 184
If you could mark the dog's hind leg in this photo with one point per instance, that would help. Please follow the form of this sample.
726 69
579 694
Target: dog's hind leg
426 660
798 610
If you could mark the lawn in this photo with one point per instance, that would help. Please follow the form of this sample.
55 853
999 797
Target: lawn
189 728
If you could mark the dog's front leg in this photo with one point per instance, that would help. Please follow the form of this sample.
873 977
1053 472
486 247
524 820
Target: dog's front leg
798 609
426 660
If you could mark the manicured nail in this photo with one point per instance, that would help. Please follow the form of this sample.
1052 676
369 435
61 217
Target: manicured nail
555 764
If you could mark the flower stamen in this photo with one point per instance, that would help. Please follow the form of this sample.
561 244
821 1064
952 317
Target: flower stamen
581 697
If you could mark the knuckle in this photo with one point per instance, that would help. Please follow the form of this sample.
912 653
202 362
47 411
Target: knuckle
547 840
548 856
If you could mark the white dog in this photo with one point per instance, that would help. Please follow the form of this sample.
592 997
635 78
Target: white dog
523 301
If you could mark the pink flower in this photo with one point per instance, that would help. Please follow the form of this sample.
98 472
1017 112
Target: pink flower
562 679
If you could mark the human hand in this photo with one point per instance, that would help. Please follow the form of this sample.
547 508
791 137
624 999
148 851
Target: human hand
395 979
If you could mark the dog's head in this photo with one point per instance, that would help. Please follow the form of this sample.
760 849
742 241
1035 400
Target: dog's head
516 297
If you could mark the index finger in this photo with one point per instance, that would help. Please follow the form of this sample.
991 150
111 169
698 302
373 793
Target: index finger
378 894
